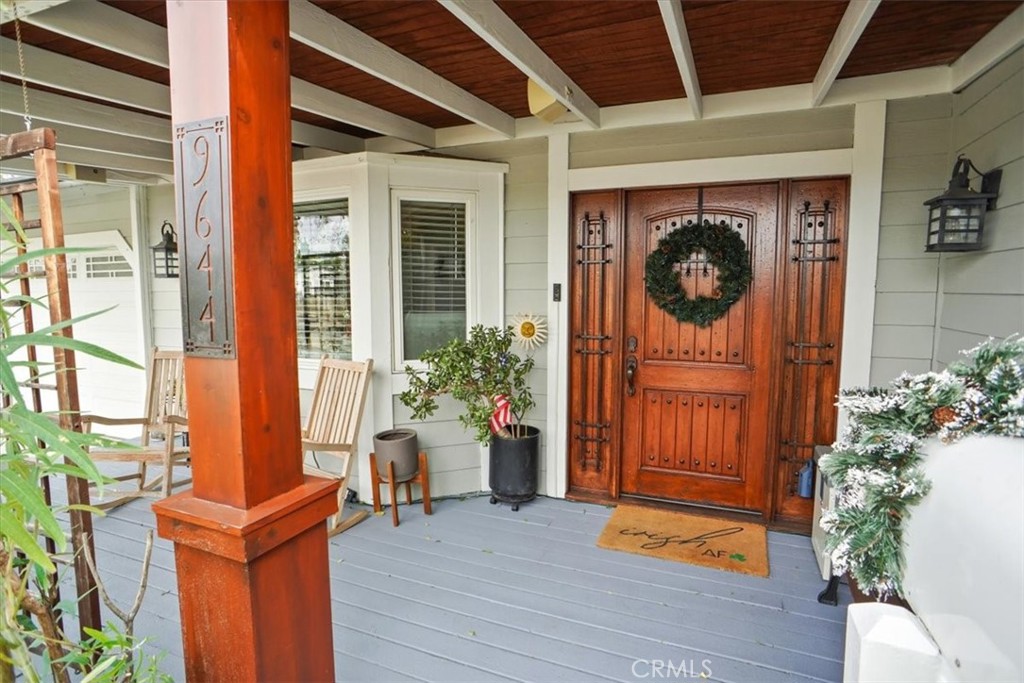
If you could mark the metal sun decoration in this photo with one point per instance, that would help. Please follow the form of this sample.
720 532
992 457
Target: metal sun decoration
530 330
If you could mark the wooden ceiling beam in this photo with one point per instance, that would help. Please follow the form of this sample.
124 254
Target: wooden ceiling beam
91 21
74 75
119 162
309 135
119 33
854 21
1007 36
25 167
8 8
68 154
75 112
679 39
323 102
326 33
90 138
486 19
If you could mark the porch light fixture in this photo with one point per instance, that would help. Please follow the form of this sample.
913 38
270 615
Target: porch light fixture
956 217
165 254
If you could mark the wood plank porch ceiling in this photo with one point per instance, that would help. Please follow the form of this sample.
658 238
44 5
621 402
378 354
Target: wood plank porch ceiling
618 52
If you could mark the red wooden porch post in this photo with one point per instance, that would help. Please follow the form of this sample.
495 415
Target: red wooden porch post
250 538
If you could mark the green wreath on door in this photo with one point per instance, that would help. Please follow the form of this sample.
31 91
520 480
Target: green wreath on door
725 250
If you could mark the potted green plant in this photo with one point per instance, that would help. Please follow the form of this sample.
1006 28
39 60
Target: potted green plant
490 380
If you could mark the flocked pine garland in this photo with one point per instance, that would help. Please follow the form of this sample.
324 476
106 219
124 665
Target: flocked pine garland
724 249
875 463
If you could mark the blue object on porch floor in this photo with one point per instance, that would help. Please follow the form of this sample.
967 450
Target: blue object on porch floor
476 592
805 489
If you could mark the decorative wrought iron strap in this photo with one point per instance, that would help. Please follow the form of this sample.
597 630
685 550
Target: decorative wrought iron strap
815 250
591 343
798 357
815 241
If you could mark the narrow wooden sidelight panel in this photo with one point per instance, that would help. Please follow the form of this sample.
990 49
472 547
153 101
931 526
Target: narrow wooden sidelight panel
595 343
813 303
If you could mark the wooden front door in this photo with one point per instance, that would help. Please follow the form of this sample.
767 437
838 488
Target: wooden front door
722 415
696 413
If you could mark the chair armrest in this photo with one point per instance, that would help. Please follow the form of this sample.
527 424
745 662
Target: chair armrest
321 446
171 425
101 420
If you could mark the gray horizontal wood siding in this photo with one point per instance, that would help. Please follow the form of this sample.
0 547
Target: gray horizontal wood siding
915 168
982 294
811 130
526 255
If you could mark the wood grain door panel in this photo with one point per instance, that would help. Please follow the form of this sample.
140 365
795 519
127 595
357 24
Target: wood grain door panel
697 427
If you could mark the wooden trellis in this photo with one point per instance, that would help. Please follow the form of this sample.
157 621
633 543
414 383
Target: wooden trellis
40 145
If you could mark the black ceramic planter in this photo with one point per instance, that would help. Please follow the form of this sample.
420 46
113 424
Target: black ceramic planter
513 476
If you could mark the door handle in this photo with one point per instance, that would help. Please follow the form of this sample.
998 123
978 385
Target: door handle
630 373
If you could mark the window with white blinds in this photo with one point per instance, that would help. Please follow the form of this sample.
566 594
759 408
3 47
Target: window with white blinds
433 273
322 281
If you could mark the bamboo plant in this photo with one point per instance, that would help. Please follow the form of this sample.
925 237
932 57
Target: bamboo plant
33 539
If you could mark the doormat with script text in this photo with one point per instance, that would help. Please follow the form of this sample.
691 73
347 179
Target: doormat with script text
734 546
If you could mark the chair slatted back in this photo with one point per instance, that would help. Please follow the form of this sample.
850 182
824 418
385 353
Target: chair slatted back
338 401
165 394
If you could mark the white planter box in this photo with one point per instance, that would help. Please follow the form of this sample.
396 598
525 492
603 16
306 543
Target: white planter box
964 578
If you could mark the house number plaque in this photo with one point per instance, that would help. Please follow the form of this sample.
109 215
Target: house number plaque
204 184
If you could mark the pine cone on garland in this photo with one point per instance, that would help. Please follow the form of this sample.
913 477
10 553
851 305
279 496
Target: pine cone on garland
942 416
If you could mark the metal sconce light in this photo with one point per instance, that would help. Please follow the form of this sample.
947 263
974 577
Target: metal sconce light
956 217
165 254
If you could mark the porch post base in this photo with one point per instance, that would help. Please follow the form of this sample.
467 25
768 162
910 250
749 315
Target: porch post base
254 584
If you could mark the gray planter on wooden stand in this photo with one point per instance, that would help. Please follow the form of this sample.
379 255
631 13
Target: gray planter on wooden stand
399 446
513 475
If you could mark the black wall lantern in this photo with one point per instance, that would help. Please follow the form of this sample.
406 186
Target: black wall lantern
956 217
165 254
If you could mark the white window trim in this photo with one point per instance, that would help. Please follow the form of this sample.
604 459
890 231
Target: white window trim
309 366
470 199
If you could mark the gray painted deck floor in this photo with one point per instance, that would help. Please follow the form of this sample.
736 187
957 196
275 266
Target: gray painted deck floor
477 592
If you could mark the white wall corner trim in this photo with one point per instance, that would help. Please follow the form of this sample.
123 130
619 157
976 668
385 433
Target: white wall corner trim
557 451
862 244
138 200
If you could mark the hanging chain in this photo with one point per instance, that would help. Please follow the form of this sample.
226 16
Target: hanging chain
21 66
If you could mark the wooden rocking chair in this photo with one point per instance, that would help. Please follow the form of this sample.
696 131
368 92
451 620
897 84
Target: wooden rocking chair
333 427
167 418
